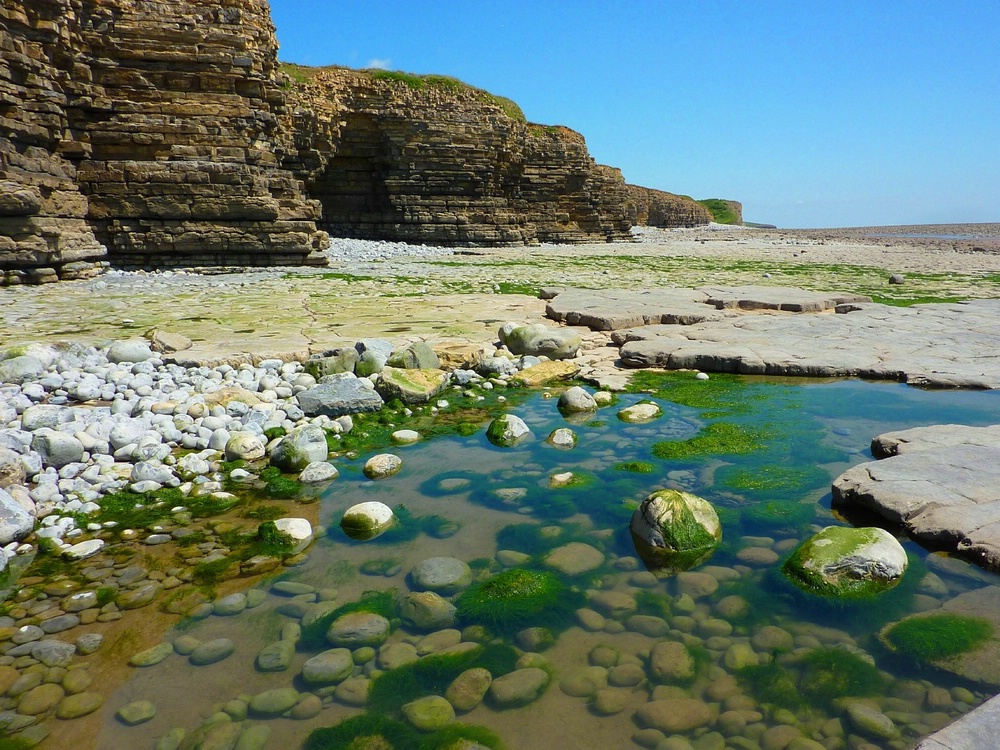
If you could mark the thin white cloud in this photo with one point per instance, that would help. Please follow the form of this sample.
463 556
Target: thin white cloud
380 63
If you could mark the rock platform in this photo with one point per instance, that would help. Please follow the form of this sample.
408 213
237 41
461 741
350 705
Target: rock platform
977 729
942 485
787 331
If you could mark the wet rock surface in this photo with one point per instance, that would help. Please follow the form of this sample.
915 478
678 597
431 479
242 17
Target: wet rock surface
941 486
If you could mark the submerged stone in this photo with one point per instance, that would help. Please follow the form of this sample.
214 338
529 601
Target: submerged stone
518 688
136 712
366 520
429 713
674 530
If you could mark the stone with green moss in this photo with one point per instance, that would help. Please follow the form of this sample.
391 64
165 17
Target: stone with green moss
937 636
429 712
517 598
411 385
302 446
507 430
840 561
674 530
366 521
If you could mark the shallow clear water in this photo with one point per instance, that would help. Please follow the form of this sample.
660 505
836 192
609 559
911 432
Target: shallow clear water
769 500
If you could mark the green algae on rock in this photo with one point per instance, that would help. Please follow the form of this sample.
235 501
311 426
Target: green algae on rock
371 731
673 530
845 562
366 521
517 598
937 636
507 430
717 439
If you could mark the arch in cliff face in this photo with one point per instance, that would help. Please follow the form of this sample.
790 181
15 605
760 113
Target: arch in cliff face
352 189
430 171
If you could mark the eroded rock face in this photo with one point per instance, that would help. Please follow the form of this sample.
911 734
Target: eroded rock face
147 133
656 208
472 171
166 135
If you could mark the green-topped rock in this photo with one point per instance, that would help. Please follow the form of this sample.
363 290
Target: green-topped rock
962 637
429 713
674 530
366 521
507 430
411 386
416 356
846 562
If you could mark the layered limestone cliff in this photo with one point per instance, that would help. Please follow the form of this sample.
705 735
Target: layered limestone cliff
165 134
150 129
656 208
428 159
42 210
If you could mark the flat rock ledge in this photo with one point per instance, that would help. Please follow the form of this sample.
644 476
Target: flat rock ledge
615 309
787 331
943 487
977 729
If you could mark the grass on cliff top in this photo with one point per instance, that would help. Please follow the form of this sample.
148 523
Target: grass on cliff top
450 84
722 212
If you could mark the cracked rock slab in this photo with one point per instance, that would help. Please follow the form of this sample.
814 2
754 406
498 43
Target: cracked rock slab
945 494
614 309
941 345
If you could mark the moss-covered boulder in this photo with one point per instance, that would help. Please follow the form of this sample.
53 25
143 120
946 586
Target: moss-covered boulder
674 530
366 521
412 385
299 448
840 561
962 637
416 356
507 430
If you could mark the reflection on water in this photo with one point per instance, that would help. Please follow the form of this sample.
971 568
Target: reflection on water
726 655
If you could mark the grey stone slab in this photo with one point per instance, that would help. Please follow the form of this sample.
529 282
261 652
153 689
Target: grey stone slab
928 345
339 395
789 299
942 490
934 437
614 309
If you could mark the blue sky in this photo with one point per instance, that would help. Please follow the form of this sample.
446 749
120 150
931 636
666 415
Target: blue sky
813 114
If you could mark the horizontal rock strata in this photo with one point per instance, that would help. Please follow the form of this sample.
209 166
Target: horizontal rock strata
431 160
657 208
158 125
167 135
943 487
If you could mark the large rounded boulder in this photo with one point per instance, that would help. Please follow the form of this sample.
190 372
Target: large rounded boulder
540 340
846 562
673 530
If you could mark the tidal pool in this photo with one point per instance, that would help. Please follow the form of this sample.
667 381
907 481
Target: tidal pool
725 655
